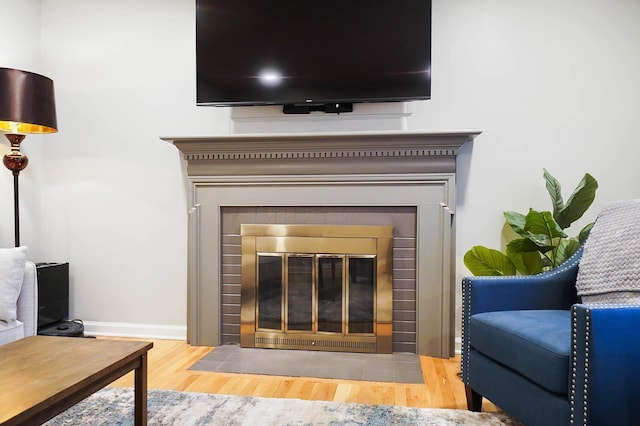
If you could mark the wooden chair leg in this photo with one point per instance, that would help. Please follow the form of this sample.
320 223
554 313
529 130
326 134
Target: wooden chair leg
474 399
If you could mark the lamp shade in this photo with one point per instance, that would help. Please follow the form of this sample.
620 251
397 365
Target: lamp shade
27 102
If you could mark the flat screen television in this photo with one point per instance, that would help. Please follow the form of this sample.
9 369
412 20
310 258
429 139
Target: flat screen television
312 54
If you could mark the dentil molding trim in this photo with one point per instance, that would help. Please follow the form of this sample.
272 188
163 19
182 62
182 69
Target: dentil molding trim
323 145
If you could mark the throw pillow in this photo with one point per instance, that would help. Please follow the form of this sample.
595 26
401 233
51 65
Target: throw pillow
12 262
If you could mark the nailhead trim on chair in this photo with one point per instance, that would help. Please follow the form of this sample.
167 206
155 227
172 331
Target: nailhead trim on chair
466 288
574 370
586 365
572 396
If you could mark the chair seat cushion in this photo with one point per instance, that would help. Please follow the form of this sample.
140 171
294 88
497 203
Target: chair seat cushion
535 343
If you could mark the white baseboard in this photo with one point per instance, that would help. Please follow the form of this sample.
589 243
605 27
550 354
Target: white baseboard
145 331
152 331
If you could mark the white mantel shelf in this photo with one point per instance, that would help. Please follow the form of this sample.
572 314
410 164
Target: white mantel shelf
277 150
432 140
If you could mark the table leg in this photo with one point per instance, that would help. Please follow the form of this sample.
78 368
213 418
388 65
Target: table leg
141 392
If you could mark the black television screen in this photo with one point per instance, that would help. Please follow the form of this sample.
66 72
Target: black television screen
305 52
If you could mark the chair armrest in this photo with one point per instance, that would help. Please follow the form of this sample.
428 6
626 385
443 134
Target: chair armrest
28 300
605 379
554 289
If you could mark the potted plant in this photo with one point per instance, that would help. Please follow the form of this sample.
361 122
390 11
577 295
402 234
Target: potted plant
543 244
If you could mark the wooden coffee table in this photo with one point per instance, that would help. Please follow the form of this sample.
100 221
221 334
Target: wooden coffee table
41 376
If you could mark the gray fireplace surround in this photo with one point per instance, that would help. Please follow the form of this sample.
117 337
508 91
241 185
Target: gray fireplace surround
400 178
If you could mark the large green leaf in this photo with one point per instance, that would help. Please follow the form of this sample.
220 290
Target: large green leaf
541 228
565 249
578 203
526 261
484 261
584 233
516 221
522 245
555 191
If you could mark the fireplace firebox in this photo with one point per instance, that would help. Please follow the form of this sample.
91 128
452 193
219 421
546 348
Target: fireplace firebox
317 287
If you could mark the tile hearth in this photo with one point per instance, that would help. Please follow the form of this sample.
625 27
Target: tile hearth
396 367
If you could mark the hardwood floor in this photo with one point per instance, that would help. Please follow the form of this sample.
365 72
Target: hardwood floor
169 361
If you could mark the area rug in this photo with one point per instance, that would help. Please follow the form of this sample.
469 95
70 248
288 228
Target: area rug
114 407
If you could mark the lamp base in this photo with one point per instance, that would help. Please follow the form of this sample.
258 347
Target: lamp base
15 160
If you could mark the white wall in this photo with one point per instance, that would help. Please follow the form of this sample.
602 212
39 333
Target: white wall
20 34
552 83
115 193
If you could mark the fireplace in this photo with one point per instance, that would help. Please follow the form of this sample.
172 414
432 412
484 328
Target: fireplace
317 287
327 179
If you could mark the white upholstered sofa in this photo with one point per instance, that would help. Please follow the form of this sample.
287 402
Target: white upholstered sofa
18 278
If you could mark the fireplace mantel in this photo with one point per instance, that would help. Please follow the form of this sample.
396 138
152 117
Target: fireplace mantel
312 171
307 153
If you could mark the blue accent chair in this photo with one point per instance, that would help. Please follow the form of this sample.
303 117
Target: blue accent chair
530 347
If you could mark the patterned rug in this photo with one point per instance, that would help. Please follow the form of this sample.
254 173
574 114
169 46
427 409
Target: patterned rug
114 407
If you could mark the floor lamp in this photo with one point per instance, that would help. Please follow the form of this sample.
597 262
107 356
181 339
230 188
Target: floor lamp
27 105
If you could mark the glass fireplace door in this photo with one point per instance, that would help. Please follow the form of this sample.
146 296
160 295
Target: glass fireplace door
300 294
315 293
317 287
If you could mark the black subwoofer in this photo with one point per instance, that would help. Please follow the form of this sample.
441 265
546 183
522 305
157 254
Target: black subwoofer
53 302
